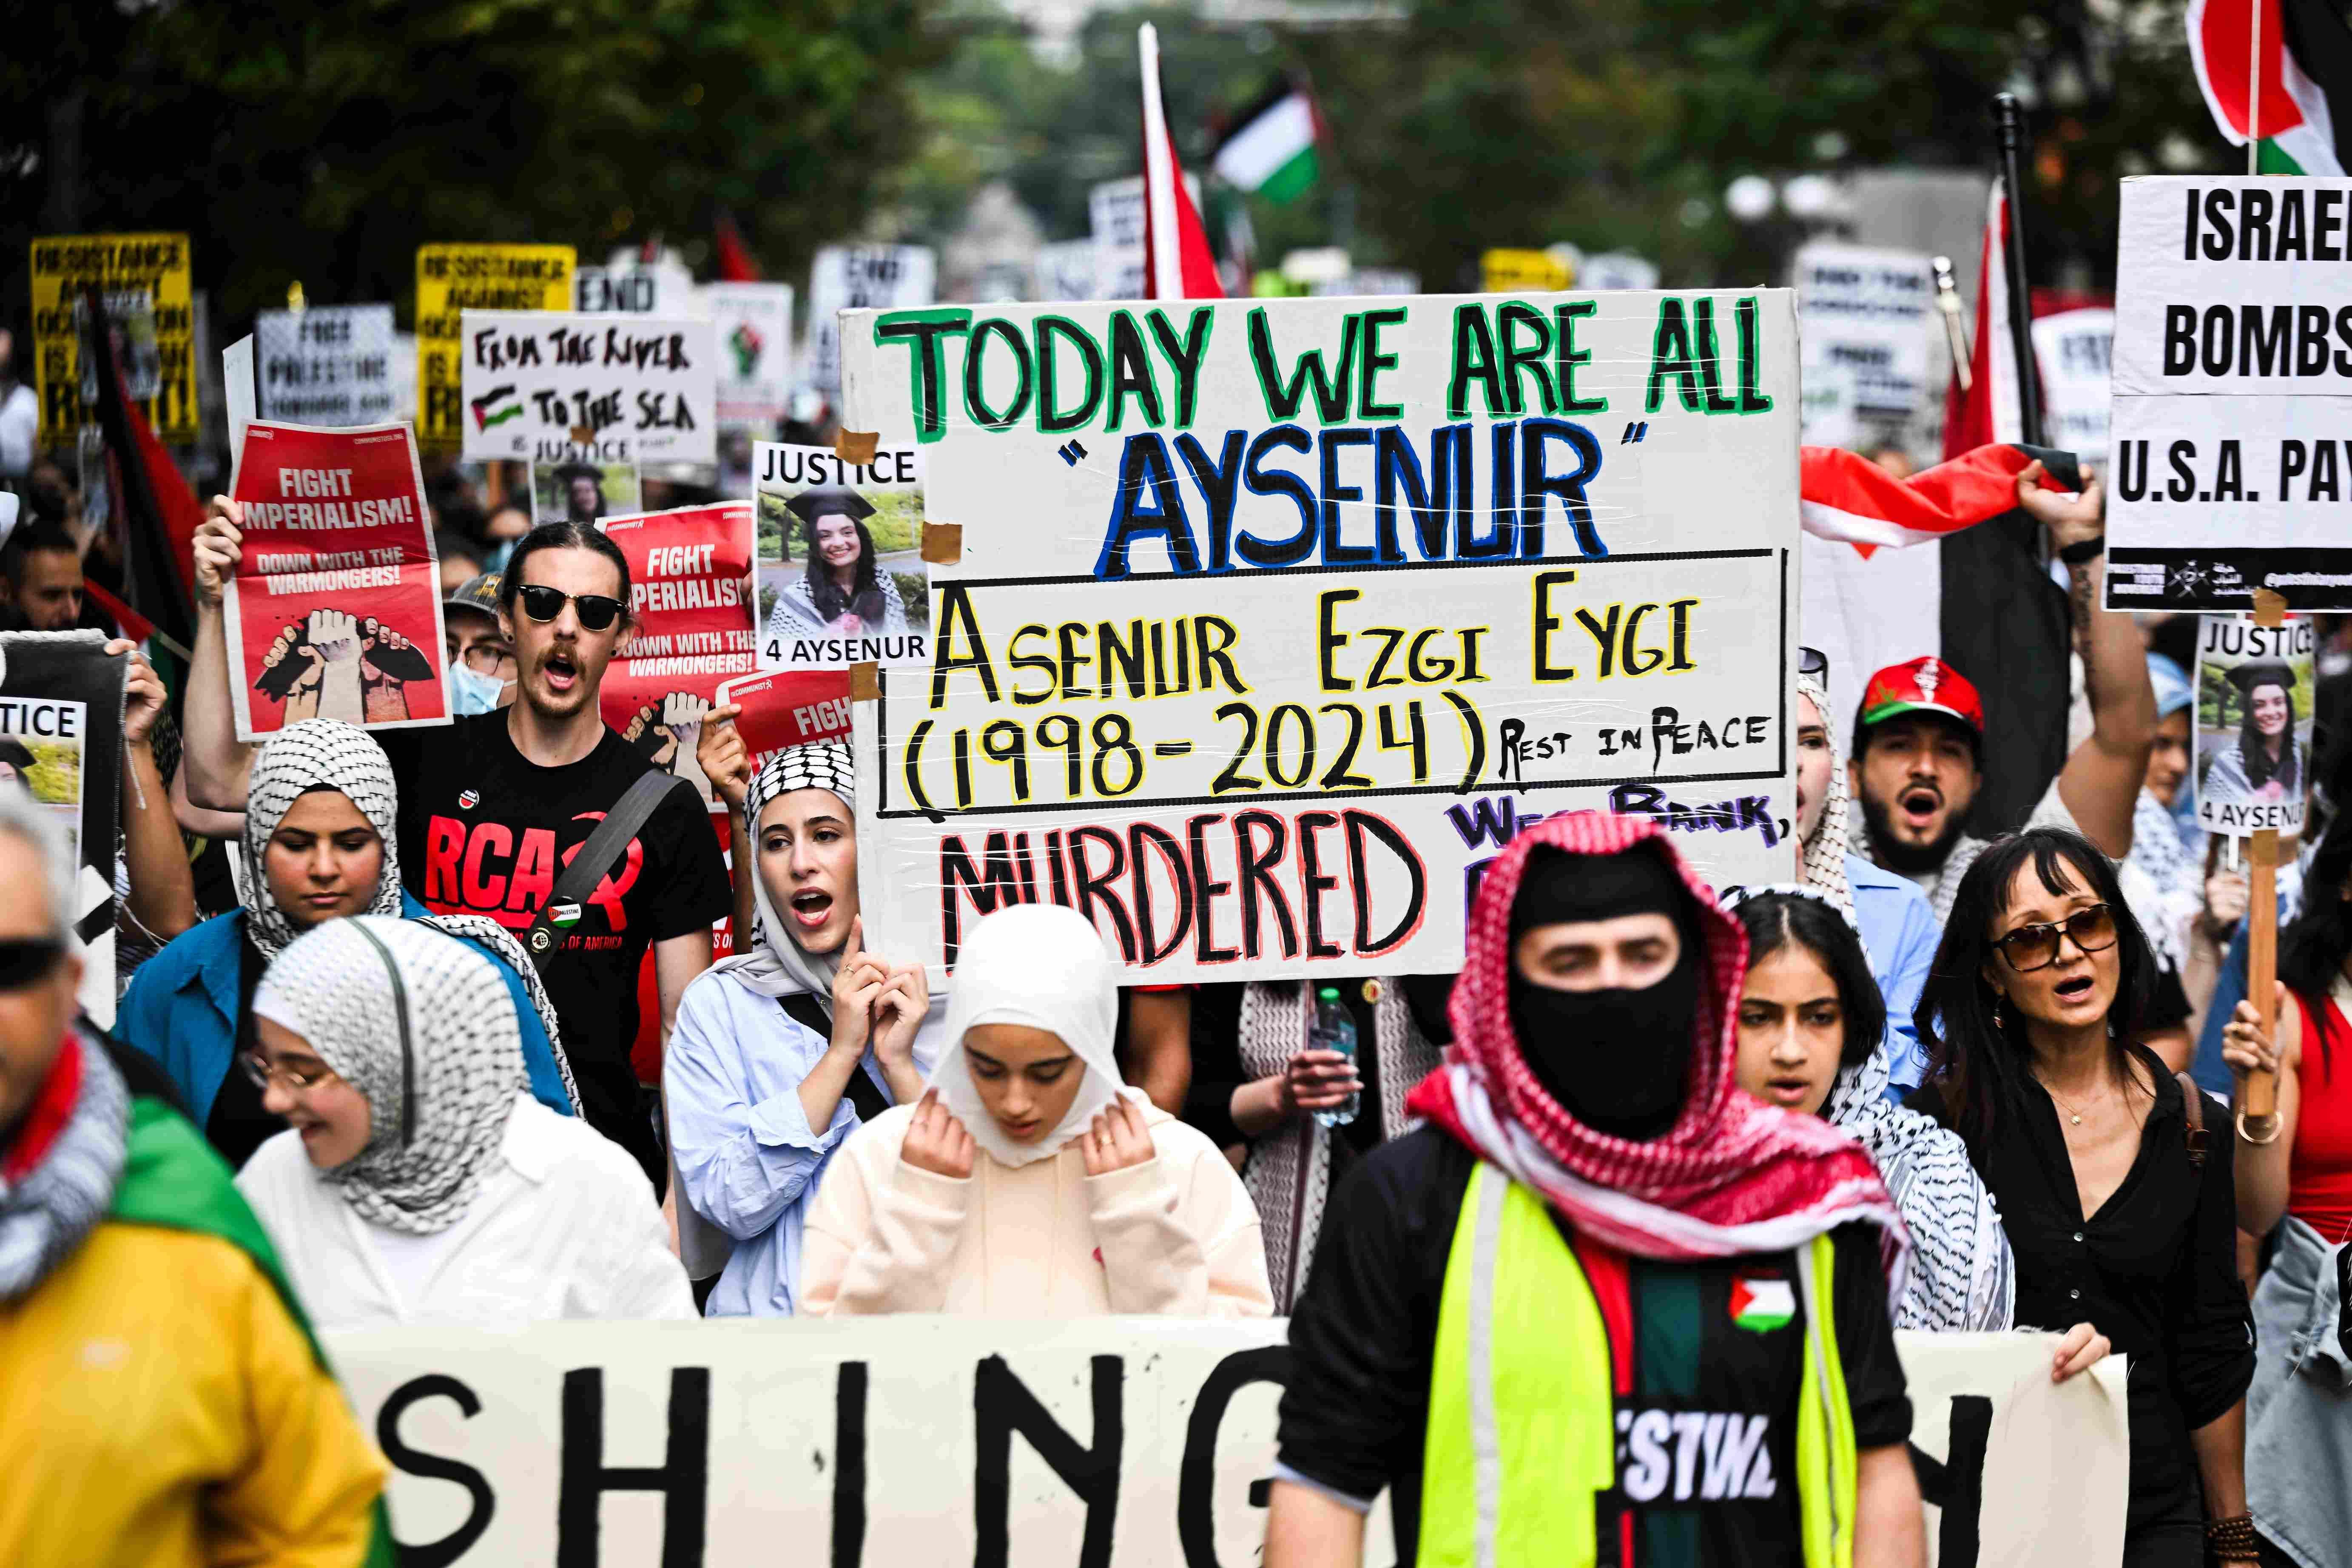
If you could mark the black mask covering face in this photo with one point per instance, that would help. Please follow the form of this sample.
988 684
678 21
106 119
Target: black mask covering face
1617 1060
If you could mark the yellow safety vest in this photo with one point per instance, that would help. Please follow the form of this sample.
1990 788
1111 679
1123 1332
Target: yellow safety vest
1522 1402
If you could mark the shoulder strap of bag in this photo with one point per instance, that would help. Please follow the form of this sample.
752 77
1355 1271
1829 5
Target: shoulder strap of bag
864 1097
596 857
2193 1102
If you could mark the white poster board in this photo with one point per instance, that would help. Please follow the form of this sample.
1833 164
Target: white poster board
1865 316
2255 703
1104 1443
855 277
751 324
2232 392
1115 215
551 387
327 366
2072 349
1274 620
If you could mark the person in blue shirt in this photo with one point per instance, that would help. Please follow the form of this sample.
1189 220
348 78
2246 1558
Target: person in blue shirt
1898 925
319 843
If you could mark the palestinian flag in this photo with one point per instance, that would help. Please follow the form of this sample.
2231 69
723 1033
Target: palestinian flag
1270 147
2305 52
1760 1304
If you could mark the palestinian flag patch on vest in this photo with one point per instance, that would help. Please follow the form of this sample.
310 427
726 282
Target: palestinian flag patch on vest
1760 1304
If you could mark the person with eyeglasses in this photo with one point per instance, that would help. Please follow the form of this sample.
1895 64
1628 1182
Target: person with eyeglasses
493 807
481 659
417 1182
165 1402
2114 1185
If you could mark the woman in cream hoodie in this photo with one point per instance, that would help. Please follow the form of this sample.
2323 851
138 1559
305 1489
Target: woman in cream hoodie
1027 1182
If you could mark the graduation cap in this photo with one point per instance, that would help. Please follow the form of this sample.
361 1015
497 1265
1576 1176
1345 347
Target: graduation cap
2261 672
829 500
15 753
567 472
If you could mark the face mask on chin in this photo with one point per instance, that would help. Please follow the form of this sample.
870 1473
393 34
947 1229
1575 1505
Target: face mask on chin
472 693
1617 1060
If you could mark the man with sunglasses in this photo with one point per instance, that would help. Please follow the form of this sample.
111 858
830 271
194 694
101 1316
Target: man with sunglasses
493 807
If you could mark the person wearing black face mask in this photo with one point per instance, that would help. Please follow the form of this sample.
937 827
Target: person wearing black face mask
1627 1240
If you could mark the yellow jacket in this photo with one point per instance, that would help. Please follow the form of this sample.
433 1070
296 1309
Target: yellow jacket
162 1406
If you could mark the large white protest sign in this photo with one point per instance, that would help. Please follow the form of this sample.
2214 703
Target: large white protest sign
1101 1443
1272 621
327 366
1866 317
555 388
751 323
2232 392
2072 349
859 277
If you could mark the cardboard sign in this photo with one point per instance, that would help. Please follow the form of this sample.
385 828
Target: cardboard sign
2256 698
785 707
859 277
146 280
1272 621
1140 1442
1865 316
752 326
453 278
2232 392
61 742
837 585
556 388
334 611
689 572
328 366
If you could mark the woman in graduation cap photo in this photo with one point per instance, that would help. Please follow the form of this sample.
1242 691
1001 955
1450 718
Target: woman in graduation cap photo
2264 763
845 592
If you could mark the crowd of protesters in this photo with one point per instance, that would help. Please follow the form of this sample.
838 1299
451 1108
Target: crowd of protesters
1948 1075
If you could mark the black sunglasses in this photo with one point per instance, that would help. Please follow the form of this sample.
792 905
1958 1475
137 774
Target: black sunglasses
27 961
596 611
1813 661
2035 946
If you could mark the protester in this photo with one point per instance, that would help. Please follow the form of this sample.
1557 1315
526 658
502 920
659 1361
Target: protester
2159 852
157 892
2294 1173
843 592
496 805
1594 1192
1027 1182
1898 928
40 578
2119 1213
481 661
1811 1041
460 559
781 1052
508 524
165 1402
418 1183
319 844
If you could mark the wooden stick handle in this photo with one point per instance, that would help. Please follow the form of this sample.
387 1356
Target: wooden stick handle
2262 959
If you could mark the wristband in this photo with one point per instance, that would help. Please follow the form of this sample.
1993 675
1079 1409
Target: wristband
2083 549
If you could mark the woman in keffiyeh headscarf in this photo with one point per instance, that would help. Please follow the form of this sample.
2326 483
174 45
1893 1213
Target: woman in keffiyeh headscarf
319 843
393 1052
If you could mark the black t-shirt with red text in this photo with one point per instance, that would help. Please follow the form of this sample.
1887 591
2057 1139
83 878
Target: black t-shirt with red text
485 831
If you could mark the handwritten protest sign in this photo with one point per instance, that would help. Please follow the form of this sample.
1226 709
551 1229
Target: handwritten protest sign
842 575
752 325
859 277
327 365
2232 389
1274 621
1867 315
334 611
689 572
61 742
558 387
784 708
146 281
453 278
2075 352
2254 712
1140 1442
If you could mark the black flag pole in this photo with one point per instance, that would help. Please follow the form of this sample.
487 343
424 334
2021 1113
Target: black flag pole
2009 119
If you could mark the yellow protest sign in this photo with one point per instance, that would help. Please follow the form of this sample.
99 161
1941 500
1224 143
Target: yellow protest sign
454 277
149 297
1522 272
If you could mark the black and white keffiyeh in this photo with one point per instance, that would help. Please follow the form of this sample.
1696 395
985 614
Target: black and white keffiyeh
46 1212
317 753
1825 851
421 1025
794 613
773 964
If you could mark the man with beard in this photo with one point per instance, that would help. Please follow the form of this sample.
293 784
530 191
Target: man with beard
493 807
1525 1316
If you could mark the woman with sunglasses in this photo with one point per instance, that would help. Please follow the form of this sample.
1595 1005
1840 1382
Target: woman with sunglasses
418 1181
2112 1182
319 844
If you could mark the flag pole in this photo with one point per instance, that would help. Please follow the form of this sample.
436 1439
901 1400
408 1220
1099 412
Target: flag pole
2255 86
1163 274
2009 121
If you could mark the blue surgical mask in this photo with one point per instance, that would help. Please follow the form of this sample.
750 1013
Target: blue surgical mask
470 692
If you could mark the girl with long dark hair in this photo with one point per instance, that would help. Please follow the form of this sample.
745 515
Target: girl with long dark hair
845 591
2264 762
2098 1158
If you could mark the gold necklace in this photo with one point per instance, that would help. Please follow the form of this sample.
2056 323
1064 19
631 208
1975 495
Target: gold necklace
2074 1116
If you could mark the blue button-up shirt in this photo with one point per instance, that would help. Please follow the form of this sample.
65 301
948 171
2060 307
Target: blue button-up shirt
1899 933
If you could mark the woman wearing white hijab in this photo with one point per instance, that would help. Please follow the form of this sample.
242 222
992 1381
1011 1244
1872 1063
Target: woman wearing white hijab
1029 1182
418 1181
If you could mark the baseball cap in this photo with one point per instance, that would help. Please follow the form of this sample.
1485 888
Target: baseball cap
1923 685
480 592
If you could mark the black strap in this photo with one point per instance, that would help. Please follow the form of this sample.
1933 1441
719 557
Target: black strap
597 858
864 1097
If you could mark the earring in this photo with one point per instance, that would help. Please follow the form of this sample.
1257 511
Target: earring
1997 1022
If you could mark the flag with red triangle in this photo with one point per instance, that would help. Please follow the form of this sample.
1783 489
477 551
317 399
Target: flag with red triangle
2304 102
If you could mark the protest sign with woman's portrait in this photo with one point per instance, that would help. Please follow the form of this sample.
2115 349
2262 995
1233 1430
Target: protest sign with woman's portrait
842 575
2253 724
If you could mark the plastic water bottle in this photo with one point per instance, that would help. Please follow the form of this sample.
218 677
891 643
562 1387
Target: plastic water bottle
1334 1030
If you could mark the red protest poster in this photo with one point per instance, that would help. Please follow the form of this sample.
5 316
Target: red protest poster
335 610
690 587
789 708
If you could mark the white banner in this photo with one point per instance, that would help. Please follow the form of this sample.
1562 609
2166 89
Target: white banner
1864 316
2073 349
751 324
855 277
2232 386
551 386
1105 1443
327 366
1272 621
2256 698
